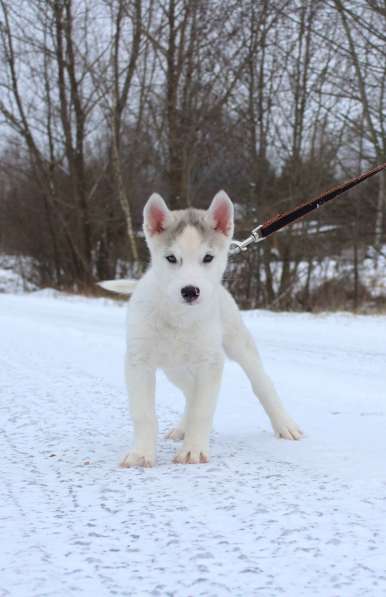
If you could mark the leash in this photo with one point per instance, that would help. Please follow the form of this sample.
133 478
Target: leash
281 220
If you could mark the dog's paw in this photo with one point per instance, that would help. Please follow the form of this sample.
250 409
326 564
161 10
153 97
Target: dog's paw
186 456
136 459
176 434
285 428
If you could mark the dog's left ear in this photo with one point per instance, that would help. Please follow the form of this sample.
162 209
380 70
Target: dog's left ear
221 213
156 215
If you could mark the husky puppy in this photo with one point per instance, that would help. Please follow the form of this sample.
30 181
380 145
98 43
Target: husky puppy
182 320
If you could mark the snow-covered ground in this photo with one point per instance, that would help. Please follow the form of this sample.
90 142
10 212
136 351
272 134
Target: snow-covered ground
264 517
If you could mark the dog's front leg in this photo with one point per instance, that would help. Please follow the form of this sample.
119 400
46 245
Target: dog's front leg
201 406
241 348
140 381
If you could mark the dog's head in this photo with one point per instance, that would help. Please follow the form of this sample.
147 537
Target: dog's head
189 247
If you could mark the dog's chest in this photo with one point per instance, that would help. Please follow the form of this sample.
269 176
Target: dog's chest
179 347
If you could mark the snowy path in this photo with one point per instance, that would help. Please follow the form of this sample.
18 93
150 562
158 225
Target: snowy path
264 517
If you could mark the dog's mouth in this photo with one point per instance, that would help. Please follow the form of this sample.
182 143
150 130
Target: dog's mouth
191 303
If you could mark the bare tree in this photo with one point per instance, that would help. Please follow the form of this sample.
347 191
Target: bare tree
364 28
103 102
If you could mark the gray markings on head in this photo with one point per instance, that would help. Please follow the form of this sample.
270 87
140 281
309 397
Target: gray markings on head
189 217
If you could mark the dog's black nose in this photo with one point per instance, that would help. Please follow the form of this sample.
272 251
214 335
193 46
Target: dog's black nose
190 293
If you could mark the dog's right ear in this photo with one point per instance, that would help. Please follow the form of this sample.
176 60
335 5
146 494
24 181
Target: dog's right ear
221 214
156 215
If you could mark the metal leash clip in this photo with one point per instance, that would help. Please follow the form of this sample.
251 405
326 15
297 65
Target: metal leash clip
239 246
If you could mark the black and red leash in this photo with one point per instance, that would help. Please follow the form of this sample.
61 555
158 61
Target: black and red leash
281 220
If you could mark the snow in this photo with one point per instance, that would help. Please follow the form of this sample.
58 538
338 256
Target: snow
371 273
11 281
264 517
16 274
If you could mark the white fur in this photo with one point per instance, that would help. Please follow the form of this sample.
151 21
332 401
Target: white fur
119 286
188 341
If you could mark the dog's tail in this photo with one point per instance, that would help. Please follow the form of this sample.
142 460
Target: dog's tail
120 286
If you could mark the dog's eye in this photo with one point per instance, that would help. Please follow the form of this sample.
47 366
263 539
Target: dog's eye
171 258
208 258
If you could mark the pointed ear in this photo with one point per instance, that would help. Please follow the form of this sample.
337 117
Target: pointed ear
221 212
156 215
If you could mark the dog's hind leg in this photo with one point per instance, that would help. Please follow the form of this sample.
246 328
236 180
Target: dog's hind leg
239 346
201 406
184 382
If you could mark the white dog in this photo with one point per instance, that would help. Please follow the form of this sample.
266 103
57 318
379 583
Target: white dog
182 320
